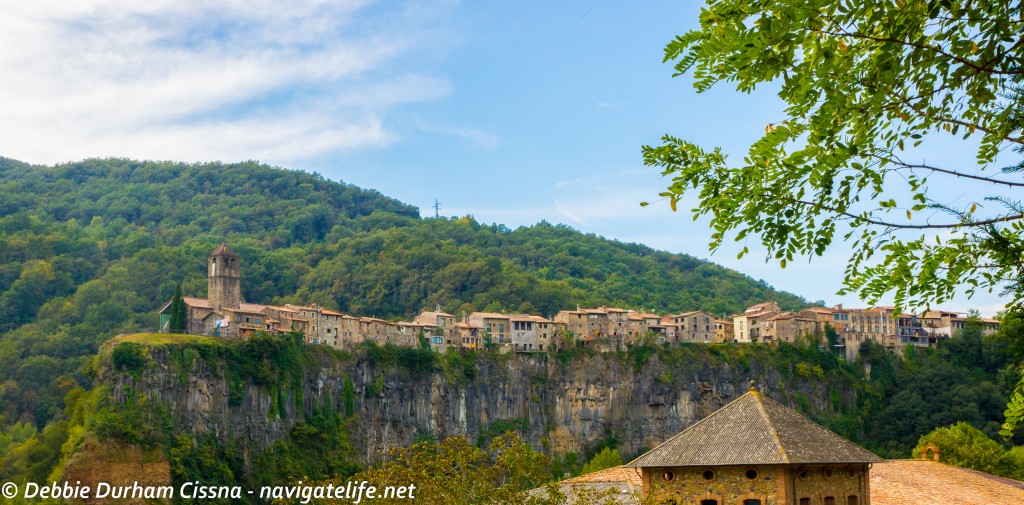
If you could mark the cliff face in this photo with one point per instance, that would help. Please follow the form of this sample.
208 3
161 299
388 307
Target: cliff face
560 406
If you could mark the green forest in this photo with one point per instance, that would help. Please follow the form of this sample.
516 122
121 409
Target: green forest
89 250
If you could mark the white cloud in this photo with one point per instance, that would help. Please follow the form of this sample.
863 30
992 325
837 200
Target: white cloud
196 80
479 137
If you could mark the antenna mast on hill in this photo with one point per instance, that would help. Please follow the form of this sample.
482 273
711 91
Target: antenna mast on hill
437 208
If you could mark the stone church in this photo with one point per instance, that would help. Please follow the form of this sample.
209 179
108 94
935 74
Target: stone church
212 315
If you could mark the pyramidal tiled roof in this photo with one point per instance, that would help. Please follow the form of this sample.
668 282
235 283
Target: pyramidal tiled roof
754 430
222 250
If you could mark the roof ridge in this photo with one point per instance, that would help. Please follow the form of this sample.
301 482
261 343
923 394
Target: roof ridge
692 426
771 426
820 428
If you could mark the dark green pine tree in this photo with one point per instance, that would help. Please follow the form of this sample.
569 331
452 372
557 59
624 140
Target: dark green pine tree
177 322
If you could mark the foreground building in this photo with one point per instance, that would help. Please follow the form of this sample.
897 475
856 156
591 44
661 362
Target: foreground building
896 482
755 451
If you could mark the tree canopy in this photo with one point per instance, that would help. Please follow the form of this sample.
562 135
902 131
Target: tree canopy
865 84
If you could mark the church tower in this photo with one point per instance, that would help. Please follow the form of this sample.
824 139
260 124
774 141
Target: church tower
224 279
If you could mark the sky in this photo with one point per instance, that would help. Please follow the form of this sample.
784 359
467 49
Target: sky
509 111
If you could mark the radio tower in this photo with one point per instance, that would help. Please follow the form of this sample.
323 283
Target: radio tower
437 208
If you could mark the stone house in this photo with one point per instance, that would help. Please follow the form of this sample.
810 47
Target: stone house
693 326
791 327
494 326
755 451
531 333
439 324
469 335
746 326
724 331
604 327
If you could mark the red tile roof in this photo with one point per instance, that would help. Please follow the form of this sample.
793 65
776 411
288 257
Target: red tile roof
614 474
923 482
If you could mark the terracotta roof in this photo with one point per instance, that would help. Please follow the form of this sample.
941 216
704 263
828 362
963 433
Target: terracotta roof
621 473
923 482
938 314
222 250
754 430
529 317
489 315
192 301
783 315
204 303
618 485
823 310
250 308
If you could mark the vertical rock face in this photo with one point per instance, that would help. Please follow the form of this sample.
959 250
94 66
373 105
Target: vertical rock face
560 408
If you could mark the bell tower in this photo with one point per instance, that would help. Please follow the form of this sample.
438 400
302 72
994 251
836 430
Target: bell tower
224 279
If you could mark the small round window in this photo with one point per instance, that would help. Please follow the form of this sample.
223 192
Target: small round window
708 475
851 472
803 473
827 472
668 476
751 473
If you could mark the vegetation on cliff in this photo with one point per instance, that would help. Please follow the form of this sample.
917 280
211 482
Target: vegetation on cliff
91 249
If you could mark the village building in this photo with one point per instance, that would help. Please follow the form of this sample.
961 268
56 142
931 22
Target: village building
747 325
531 333
604 327
224 314
925 481
583 325
206 317
756 451
724 331
790 327
694 326
469 335
943 323
440 324
651 324
495 327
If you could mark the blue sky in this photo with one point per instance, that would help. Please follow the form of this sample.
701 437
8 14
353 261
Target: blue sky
513 112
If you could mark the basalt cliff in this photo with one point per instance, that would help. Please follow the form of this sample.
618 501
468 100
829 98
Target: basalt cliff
561 403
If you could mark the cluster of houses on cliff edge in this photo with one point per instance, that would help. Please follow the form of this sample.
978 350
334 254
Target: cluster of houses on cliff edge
224 314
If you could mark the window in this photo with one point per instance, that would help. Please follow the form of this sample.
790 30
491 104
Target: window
751 473
752 501
668 476
708 475
829 500
805 501
853 500
709 502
